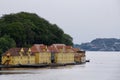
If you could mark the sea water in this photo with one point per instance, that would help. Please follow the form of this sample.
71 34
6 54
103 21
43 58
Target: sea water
102 66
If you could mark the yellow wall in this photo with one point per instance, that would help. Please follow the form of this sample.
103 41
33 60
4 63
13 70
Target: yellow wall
32 60
14 60
4 58
64 58
43 58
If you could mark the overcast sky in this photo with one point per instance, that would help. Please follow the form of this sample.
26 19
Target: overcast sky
84 20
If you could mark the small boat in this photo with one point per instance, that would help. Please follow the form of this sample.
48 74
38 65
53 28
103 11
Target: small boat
87 60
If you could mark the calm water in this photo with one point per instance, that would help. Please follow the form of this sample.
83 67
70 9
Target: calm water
102 66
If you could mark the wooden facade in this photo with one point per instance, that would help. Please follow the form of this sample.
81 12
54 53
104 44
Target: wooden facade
15 56
42 54
62 54
80 57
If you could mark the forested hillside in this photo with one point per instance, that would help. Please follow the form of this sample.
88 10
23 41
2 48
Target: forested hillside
25 29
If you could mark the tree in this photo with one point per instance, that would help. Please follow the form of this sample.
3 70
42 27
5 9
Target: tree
27 29
5 43
67 39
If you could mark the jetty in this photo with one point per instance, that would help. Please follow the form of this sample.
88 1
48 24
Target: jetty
37 65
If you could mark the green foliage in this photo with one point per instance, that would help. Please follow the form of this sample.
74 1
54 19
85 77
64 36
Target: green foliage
5 43
67 39
27 29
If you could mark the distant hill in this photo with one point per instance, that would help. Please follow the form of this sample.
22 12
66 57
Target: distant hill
101 44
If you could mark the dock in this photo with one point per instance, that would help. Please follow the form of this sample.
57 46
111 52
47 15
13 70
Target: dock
37 65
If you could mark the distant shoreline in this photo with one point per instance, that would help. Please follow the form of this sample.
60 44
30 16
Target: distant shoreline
100 44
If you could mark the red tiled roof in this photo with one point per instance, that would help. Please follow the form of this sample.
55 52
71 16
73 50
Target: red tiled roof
26 50
52 49
39 48
12 52
34 49
59 47
76 49
69 49
16 52
58 44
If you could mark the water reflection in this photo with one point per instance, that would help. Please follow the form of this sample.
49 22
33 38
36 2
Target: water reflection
103 66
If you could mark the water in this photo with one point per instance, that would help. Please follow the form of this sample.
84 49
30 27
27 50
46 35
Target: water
102 66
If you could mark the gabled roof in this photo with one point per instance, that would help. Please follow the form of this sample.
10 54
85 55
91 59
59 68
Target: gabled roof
26 50
69 49
12 52
53 49
58 44
16 52
76 49
58 47
39 48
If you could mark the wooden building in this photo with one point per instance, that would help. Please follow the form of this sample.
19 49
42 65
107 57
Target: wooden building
61 53
79 56
16 56
42 55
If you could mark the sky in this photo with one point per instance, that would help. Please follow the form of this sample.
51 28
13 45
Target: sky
83 20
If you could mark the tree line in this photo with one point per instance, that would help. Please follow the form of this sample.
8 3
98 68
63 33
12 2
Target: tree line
24 29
